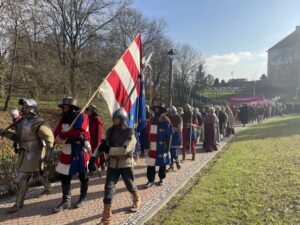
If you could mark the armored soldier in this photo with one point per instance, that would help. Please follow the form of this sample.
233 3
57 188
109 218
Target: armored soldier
32 135
120 145
43 175
75 152
176 122
189 133
160 140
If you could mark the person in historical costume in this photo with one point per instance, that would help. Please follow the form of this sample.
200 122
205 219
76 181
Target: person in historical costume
176 122
230 124
160 136
200 121
225 123
244 115
189 133
234 111
210 131
75 152
35 146
43 175
260 114
222 117
96 130
119 144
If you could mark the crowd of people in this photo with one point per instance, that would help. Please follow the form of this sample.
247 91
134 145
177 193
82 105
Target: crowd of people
169 133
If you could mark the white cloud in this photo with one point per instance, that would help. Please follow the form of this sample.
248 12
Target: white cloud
263 55
226 59
242 64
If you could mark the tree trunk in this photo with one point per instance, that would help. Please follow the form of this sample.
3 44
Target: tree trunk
11 80
2 90
72 81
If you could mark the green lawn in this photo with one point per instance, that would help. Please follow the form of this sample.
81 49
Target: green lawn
255 180
219 93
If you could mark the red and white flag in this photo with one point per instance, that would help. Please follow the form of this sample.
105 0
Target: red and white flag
116 88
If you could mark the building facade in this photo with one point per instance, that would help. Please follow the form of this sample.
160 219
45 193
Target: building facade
284 63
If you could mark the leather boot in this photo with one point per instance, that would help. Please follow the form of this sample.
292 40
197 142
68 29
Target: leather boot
171 168
66 199
22 189
106 215
178 164
193 156
183 156
83 191
136 201
47 186
13 209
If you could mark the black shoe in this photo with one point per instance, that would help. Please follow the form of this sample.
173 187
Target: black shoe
170 169
62 206
148 185
161 182
13 209
178 166
80 202
45 193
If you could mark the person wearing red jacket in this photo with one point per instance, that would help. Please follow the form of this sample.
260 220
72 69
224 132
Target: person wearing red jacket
75 152
96 128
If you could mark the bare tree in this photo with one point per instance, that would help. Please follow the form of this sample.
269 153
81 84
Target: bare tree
12 18
3 49
186 64
76 24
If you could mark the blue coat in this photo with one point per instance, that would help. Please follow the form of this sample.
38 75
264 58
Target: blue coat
159 137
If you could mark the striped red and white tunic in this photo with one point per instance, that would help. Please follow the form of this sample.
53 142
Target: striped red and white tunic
74 156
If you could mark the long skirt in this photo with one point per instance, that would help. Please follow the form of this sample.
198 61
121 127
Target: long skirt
209 143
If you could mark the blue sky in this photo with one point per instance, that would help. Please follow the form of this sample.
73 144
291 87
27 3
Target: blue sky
232 35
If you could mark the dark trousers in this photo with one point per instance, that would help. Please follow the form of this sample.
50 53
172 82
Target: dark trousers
151 173
112 178
66 184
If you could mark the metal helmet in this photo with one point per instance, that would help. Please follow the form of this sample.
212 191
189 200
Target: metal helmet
69 101
147 108
173 109
15 113
188 107
92 109
29 102
121 114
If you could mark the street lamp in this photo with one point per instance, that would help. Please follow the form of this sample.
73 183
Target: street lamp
171 54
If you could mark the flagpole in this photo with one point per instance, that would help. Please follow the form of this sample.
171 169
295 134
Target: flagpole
98 89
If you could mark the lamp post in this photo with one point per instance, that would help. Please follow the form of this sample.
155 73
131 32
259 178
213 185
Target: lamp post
171 54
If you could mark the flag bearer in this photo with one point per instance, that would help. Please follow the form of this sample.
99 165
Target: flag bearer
74 156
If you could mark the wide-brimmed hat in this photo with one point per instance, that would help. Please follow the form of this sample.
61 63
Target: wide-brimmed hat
161 106
69 101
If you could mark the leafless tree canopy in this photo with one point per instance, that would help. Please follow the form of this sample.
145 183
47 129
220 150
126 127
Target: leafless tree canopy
52 48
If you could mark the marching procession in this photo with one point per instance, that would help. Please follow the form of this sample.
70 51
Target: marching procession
163 134
170 132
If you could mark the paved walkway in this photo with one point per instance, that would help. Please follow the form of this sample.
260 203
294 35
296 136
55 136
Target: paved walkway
38 210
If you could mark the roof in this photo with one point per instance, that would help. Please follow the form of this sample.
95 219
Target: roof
290 40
